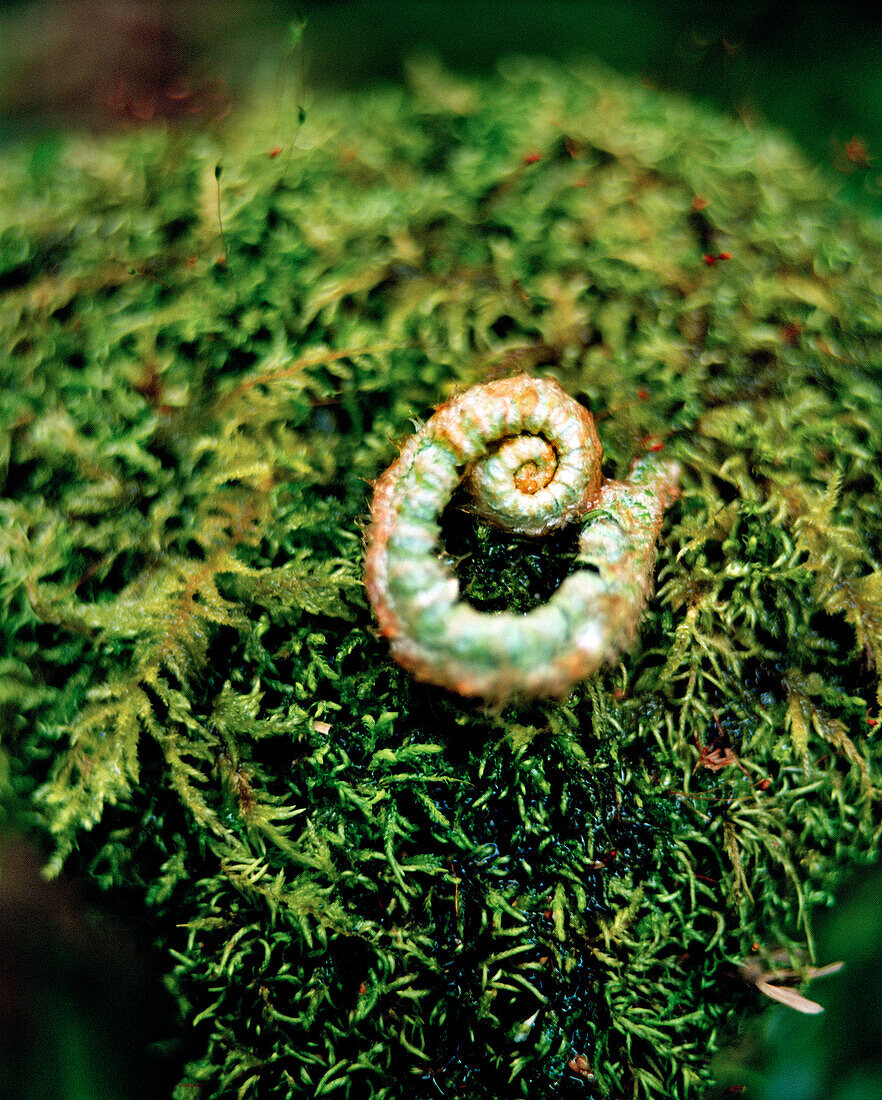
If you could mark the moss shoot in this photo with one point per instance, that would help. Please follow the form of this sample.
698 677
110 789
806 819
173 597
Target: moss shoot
362 886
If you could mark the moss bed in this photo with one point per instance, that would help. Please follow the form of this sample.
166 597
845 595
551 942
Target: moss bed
361 886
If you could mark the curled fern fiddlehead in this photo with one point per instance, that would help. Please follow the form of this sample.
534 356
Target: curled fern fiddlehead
531 457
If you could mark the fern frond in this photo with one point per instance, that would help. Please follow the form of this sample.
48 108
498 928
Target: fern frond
101 765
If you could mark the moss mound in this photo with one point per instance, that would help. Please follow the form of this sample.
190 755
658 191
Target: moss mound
363 886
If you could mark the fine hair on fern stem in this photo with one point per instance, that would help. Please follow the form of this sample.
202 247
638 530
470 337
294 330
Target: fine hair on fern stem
531 457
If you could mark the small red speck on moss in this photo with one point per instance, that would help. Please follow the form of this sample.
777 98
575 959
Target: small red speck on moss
531 158
643 393
857 153
274 152
709 259
699 203
580 1065
791 333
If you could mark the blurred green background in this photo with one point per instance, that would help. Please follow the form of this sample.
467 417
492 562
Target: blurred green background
836 1055
812 68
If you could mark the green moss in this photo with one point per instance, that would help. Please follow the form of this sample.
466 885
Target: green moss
362 885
